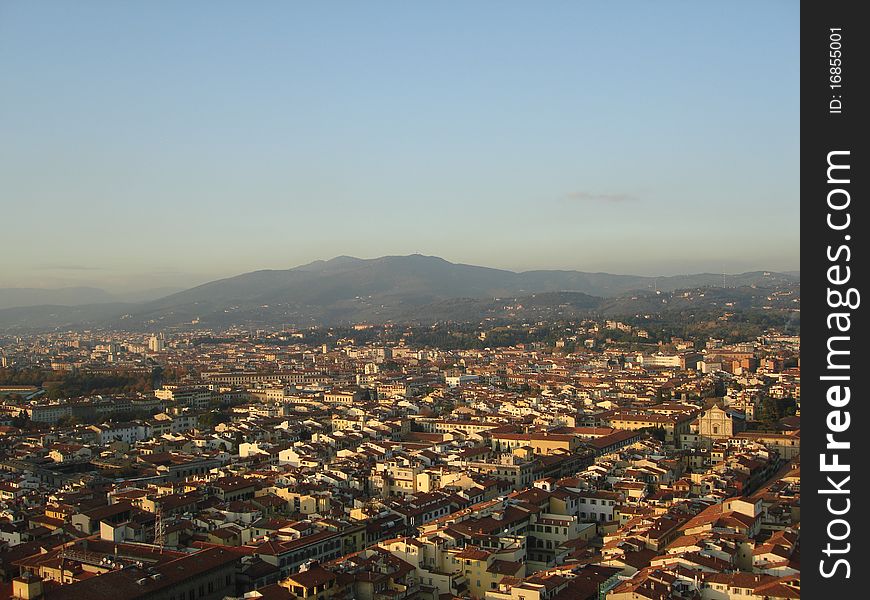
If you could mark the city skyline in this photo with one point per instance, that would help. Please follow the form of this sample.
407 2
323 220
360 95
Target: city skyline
146 151
383 300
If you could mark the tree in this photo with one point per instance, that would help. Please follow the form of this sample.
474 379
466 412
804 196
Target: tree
210 419
657 432
68 421
21 420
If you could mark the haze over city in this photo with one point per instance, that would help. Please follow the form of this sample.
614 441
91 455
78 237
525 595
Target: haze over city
145 147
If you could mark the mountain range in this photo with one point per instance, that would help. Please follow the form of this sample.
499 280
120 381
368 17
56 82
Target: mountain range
347 289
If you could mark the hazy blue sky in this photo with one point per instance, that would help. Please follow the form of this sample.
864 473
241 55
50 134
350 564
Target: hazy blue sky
166 143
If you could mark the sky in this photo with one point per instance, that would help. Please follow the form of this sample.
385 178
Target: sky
148 144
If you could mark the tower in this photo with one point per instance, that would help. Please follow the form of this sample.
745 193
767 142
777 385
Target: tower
159 530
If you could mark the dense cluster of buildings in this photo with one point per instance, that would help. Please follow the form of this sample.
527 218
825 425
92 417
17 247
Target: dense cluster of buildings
263 466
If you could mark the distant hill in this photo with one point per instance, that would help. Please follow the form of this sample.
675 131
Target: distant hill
418 277
390 288
75 296
67 296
